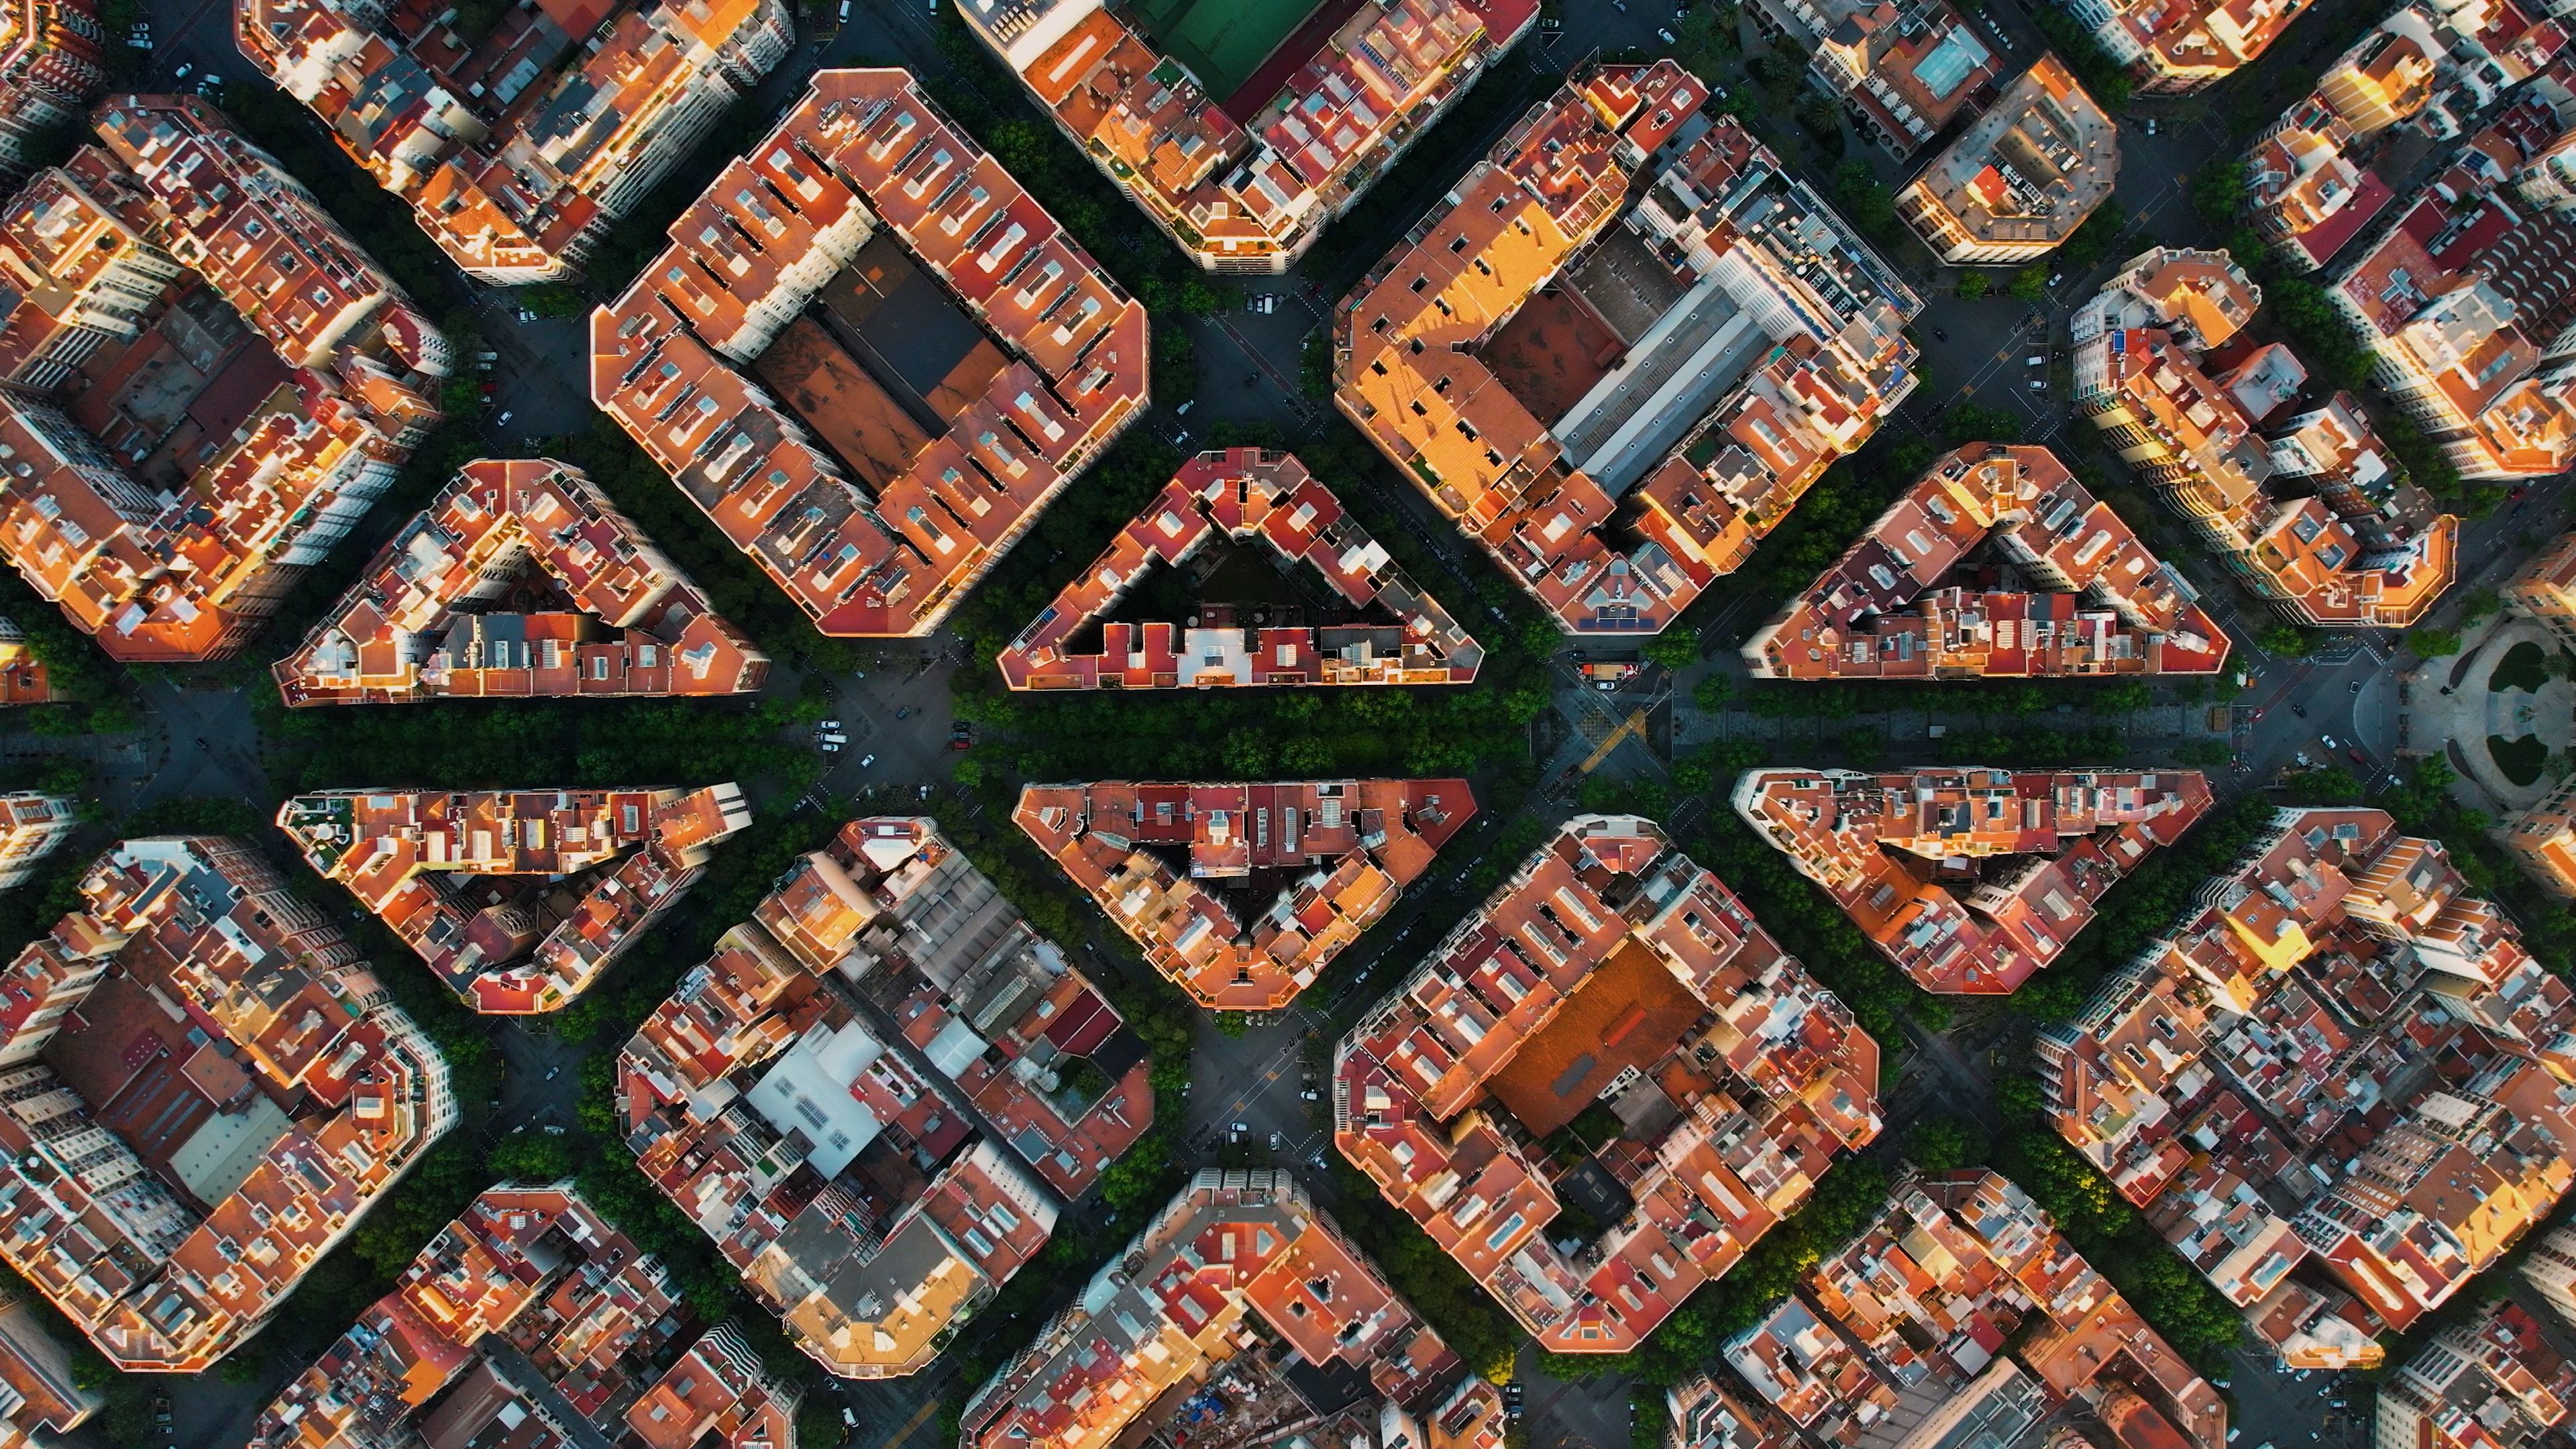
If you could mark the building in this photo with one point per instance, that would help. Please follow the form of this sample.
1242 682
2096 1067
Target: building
1242 893
1624 298
2067 589
2466 305
870 356
517 899
42 1393
446 609
236 1091
2542 840
2550 1269
209 382
1710 1412
2493 1380
877 1094
1608 970
1904 71
531 1320
2305 189
1243 134
22 675
1371 624
2355 547
1969 879
32 826
2262 1083
1962 1317
2021 178
2174 49
1242 1287
53 59
2545 590
519 141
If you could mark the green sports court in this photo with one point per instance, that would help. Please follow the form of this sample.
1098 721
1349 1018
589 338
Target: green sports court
1223 42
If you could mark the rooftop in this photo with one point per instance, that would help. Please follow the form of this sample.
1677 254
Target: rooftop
2028 171
1969 879
1182 868
531 1305
516 148
444 609
865 153
518 899
869 1096
1741 337
2068 589
1374 626
1729 1111
326 1096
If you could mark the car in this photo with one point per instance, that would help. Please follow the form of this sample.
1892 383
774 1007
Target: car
553 1130
866 760
2330 742
1667 36
1938 335
833 737
960 742
2039 384
2300 710
1310 1095
2520 492
830 747
2358 757
827 724
182 72
925 790
553 1072
2151 125
1184 409
904 713
845 19
1181 439
1275 1140
502 421
848 1419
2056 277
2036 359
2354 687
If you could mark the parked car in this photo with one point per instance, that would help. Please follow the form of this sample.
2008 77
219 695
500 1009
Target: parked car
866 760
2039 384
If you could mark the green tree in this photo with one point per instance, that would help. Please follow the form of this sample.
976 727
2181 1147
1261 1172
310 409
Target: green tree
2479 606
1973 285
2288 641
2031 282
2427 642
1675 648
1943 1144
1713 691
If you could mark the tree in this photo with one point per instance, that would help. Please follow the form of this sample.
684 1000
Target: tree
2031 282
1944 1144
2428 642
2288 641
1973 285
2218 194
1712 692
1967 422
2480 605
1675 648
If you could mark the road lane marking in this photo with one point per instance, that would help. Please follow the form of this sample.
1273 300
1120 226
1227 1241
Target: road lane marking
911 1425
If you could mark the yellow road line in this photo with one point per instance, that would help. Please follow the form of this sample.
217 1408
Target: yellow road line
919 1417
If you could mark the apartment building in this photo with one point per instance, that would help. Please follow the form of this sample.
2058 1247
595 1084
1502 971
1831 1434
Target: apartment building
33 825
2464 299
2068 588
1904 69
1963 1317
1244 162
518 147
212 382
1243 893
2174 49
2550 1269
1969 879
42 1395
521 579
2307 189
531 1320
877 1094
1370 624
877 453
1710 1412
168 1199
516 899
2356 547
53 59
23 679
1240 1281
2545 590
2262 1083
2542 840
2022 177
1624 298
1609 968
2494 1380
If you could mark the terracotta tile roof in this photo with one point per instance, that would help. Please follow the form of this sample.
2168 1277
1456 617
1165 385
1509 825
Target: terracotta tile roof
1751 1112
208 932
519 153
1247 182
2022 177
1342 851
865 152
1171 1310
426 863
1391 632
179 546
1774 296
2173 48
420 622
535 1291
862 1097
2080 594
1900 851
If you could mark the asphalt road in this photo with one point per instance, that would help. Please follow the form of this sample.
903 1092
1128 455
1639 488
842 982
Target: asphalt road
200 742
